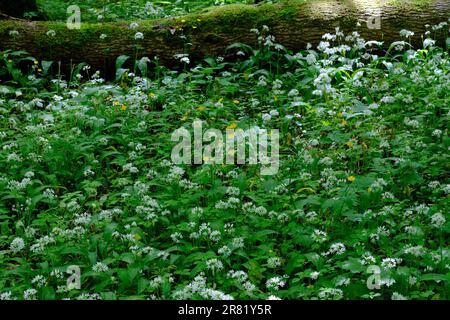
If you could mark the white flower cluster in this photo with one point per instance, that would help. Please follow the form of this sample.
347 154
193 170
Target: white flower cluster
276 283
17 245
198 287
249 207
100 267
337 248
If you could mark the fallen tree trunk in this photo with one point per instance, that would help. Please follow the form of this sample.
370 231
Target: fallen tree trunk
294 23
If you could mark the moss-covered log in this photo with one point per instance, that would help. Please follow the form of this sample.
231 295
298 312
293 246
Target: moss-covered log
294 23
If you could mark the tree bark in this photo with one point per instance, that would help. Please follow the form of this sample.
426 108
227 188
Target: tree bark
294 23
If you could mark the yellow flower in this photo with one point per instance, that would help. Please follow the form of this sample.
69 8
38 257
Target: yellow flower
36 62
232 126
349 144
220 100
123 107
369 189
351 178
344 122
116 103
151 94
183 21
39 70
10 61
235 101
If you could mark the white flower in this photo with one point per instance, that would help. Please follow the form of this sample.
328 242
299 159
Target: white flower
58 274
139 36
311 59
437 220
237 243
406 33
248 286
314 275
412 280
398 296
176 237
100 267
103 36
323 45
390 263
437 133
273 262
336 248
13 33
224 251
89 296
274 113
214 264
30 294
428 43
51 33
319 236
239 275
342 282
275 283
134 25
6 295
39 281
266 117
331 293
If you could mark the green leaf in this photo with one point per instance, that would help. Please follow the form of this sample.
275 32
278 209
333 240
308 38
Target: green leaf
435 277
120 61
142 65
46 66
